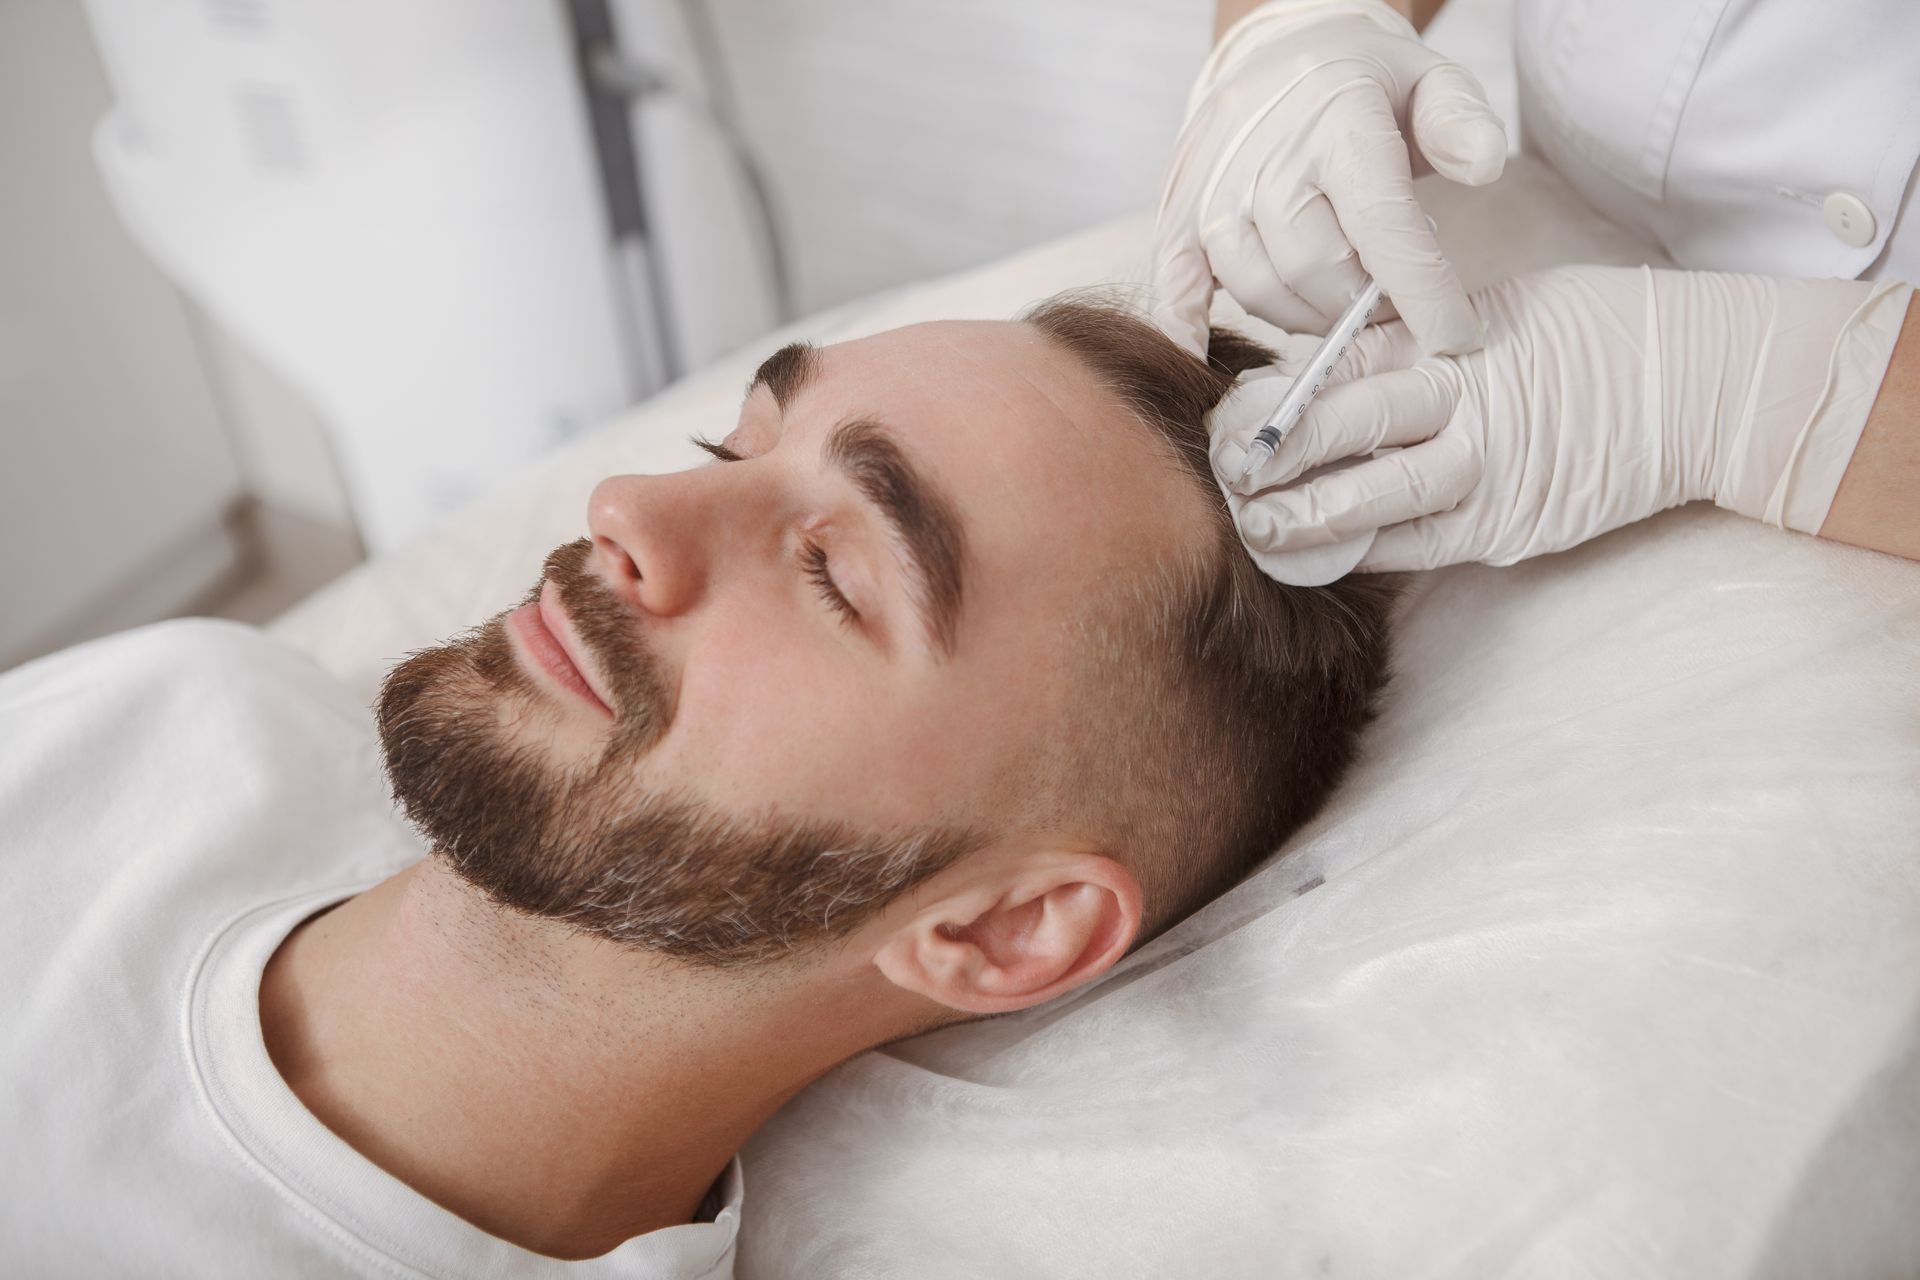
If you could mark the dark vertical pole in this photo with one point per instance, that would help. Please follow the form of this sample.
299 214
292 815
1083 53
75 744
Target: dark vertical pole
609 115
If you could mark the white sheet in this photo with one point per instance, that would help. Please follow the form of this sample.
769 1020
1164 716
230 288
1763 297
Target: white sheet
1605 962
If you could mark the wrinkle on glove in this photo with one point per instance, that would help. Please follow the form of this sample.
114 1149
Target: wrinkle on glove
1292 181
1319 530
1603 396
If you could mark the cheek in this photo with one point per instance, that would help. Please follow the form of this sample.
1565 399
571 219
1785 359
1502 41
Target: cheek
768 700
790 714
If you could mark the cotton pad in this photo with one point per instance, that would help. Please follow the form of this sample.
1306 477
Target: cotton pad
1309 566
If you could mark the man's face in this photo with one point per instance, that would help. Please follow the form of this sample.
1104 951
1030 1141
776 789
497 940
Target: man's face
862 636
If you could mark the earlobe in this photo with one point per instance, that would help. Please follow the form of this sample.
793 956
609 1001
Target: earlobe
1058 922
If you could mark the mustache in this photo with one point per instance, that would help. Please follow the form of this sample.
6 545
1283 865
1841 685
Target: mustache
636 685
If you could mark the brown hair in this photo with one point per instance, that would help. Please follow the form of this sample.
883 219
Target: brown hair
1228 705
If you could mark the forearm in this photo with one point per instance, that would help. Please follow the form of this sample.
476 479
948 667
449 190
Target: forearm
1228 12
1418 12
1878 502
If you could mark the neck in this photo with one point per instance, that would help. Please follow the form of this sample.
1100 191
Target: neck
556 1090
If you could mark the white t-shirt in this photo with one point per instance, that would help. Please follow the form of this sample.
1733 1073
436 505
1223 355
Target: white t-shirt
173 801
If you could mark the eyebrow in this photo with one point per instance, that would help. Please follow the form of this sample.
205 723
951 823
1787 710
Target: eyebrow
925 524
787 372
924 521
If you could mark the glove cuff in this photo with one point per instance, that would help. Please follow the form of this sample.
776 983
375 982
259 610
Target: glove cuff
1809 404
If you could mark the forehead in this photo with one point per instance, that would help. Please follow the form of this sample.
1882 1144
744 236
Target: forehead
1061 490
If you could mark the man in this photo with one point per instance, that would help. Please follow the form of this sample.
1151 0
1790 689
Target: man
869 727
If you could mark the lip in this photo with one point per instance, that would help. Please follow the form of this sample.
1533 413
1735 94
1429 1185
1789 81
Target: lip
541 627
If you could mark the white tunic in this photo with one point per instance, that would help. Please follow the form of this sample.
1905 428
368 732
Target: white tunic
173 801
1772 136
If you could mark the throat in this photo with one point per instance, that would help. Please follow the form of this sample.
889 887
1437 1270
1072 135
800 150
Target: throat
552 1090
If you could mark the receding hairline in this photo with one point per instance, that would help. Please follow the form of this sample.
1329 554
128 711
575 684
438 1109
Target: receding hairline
1255 702
1190 455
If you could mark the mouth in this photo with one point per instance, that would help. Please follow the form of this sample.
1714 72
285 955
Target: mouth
548 643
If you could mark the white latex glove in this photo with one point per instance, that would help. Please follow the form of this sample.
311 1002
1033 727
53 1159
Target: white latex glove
1292 160
1603 395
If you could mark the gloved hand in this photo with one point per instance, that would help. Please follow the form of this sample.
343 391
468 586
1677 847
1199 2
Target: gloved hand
1603 395
1292 160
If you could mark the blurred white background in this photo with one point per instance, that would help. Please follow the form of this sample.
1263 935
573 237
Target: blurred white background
282 281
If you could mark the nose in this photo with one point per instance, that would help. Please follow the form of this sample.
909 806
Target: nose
649 539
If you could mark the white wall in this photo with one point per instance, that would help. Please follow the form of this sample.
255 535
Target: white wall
279 438
115 479
905 140
908 139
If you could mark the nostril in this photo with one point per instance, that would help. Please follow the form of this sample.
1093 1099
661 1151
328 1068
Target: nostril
618 562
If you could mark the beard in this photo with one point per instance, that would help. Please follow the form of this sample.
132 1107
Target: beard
592 845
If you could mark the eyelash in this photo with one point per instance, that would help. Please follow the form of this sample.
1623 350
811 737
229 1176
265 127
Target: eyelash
715 449
813 556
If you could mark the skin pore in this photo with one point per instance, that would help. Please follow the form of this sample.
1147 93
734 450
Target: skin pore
566 1092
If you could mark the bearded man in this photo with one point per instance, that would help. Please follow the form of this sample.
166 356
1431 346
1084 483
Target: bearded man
870 726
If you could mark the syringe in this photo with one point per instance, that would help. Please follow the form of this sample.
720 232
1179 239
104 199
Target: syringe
1311 379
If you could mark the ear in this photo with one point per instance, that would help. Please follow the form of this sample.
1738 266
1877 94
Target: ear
1016 936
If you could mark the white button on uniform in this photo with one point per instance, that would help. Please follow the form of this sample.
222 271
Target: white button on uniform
1849 219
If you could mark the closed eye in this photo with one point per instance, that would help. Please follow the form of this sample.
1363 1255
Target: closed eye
814 557
719 451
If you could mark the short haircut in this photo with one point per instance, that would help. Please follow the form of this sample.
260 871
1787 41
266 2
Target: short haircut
1224 706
